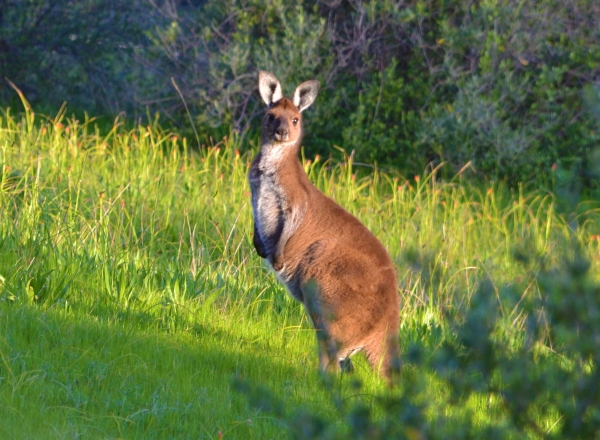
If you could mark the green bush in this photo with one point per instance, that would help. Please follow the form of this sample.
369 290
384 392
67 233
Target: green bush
82 53
517 70
381 129
497 83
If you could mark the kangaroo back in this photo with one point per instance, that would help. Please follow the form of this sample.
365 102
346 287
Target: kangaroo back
323 255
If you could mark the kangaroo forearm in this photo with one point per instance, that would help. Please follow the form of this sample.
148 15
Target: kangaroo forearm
294 217
259 246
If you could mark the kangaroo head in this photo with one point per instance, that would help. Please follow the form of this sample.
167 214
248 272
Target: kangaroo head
283 122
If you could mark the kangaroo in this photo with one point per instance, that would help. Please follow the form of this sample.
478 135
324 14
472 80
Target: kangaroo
323 255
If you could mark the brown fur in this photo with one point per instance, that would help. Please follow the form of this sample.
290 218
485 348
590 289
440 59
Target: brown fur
325 257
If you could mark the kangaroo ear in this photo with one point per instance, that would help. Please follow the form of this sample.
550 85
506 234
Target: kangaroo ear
269 87
305 94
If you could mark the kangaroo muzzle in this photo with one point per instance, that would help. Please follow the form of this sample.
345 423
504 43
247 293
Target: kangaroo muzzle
281 134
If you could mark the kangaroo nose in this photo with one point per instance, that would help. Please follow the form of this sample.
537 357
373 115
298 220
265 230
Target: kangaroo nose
282 134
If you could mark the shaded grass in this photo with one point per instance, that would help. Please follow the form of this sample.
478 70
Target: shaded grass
72 376
130 293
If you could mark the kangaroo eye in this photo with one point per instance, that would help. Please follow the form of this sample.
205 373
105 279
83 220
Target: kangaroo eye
270 117
295 121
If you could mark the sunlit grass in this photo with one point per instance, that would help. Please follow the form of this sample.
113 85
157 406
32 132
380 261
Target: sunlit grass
130 292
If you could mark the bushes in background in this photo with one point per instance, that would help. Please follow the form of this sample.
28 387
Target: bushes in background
406 82
77 52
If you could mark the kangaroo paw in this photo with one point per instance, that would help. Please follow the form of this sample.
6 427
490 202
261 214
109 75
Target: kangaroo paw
277 262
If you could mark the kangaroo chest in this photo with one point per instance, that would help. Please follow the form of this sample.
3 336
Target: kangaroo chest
269 204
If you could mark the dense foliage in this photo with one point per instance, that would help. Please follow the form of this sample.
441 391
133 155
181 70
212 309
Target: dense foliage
498 83
71 51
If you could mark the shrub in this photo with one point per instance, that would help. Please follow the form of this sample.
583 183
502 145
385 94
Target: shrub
517 71
81 52
404 83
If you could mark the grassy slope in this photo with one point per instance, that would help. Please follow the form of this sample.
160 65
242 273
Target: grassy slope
130 293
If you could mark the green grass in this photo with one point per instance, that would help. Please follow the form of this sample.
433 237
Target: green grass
131 295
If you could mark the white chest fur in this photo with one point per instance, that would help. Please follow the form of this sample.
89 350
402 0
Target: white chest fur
268 197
